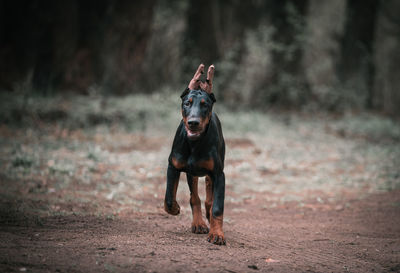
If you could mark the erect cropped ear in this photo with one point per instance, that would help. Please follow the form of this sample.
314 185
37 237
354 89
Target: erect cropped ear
207 86
194 84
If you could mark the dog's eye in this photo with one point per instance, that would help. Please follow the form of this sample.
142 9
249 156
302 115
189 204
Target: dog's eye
187 103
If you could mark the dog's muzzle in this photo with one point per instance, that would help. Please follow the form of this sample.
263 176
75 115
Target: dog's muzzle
193 128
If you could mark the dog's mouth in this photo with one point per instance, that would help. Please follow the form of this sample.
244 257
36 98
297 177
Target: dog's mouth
193 132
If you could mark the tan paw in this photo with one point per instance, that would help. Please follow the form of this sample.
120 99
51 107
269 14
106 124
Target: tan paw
199 228
174 209
216 238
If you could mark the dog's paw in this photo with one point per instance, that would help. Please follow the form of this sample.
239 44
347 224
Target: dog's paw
174 209
216 238
199 228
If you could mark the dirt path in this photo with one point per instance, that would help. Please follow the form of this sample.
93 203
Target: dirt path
298 199
362 238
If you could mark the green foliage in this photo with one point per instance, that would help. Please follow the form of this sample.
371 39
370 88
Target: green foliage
372 127
22 161
133 113
260 70
61 169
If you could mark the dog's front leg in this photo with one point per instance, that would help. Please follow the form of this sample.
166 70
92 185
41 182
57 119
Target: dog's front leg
170 204
216 234
198 224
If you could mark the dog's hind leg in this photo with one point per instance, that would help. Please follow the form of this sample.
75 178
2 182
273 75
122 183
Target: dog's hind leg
198 224
209 197
216 234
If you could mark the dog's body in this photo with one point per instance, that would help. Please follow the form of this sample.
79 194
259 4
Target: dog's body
199 150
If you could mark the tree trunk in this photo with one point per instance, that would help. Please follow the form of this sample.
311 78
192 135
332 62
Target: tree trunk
386 95
288 77
355 69
322 48
126 36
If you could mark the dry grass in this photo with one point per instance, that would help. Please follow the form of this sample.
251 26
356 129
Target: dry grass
107 156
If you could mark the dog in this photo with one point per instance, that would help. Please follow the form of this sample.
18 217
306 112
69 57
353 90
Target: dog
199 150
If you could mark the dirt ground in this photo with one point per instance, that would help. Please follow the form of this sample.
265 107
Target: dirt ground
363 238
299 198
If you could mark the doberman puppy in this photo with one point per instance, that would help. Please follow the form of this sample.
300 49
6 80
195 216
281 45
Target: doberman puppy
199 150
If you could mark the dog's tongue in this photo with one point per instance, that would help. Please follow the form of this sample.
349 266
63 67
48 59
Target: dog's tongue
191 133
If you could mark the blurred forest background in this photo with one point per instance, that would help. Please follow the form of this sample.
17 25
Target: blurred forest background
293 54
308 93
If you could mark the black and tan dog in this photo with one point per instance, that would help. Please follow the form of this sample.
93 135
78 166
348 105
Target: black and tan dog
199 150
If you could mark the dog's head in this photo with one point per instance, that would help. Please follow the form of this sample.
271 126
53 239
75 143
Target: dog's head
196 111
197 103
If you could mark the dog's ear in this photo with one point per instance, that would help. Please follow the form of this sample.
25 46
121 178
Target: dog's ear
194 84
212 97
208 84
210 77
184 93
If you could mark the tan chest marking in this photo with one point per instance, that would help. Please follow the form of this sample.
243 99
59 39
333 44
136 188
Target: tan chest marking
206 164
178 165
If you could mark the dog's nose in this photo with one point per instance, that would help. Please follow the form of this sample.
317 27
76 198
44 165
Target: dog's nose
193 122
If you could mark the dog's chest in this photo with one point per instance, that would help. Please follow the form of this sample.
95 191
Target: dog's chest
194 167
198 167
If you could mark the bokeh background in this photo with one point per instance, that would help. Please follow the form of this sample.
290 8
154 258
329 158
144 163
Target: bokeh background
309 100
313 55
